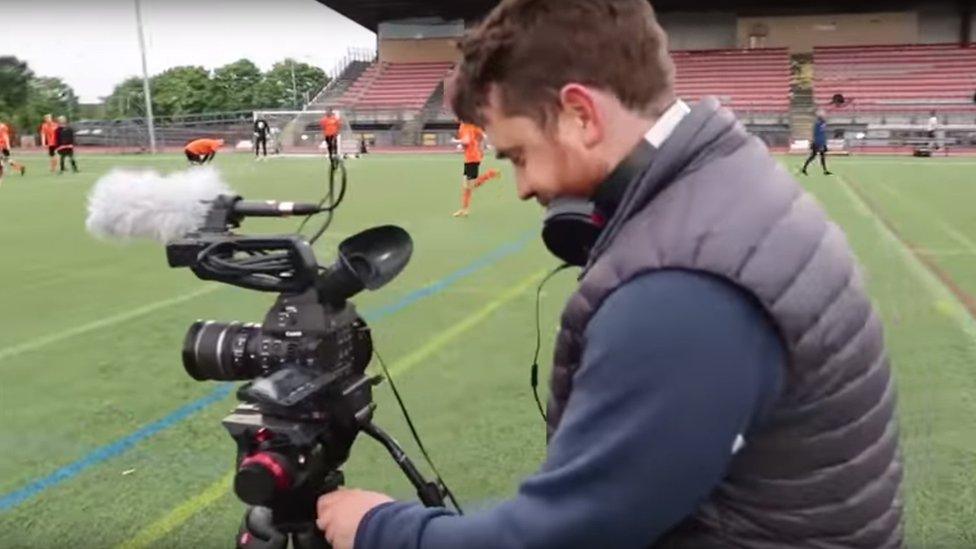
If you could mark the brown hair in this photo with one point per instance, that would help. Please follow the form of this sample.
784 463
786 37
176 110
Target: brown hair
530 49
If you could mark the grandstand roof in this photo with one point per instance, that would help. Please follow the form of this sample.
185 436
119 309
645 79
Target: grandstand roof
369 13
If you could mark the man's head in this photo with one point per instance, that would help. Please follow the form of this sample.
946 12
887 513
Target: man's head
565 88
62 119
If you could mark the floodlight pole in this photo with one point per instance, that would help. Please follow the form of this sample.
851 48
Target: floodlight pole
294 85
145 80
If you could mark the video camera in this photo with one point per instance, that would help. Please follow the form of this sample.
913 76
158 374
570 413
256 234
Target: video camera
308 395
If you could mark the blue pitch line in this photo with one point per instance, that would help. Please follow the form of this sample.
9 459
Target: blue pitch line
114 449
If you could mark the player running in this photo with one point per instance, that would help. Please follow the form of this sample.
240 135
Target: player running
471 138
5 152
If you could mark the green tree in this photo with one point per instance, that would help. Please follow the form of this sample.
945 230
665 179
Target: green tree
127 99
287 84
182 90
15 78
236 86
46 96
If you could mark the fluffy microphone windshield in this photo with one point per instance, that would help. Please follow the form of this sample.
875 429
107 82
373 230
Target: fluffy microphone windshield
129 204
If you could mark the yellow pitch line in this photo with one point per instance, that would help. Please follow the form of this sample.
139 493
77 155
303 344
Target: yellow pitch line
169 522
443 338
175 518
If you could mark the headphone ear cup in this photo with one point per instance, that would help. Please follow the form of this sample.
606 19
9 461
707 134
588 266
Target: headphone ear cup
569 231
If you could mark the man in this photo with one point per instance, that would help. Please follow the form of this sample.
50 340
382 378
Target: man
331 124
931 129
5 151
48 131
720 378
202 151
471 139
261 131
64 136
819 144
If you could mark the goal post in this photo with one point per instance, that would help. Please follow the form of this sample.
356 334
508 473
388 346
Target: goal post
299 132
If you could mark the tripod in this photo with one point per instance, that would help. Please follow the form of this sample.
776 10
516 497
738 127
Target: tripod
293 518
266 528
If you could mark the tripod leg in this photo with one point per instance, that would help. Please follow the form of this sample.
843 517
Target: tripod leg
309 539
258 532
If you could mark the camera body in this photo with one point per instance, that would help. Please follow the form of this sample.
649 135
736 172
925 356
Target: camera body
307 395
308 399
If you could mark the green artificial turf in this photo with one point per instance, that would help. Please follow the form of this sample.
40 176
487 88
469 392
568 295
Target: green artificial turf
90 345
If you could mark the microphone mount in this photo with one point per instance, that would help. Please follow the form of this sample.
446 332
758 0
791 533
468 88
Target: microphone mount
228 211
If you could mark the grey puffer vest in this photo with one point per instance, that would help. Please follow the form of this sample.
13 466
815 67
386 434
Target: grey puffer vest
824 469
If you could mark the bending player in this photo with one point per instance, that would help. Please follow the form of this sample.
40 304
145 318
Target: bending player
49 131
5 152
471 138
202 151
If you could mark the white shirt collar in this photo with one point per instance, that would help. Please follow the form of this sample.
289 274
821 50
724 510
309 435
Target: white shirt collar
664 127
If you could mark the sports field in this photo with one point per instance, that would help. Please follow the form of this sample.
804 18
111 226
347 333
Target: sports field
105 441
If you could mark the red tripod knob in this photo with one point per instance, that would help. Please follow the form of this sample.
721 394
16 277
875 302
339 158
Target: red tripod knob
260 477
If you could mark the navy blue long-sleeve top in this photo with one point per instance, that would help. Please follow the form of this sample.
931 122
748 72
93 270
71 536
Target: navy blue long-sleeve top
820 132
678 368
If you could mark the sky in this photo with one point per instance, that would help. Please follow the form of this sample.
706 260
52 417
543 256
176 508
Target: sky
93 45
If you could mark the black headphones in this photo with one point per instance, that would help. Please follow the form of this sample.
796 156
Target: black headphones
572 225
570 230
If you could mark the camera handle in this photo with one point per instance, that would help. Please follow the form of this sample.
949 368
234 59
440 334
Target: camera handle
430 494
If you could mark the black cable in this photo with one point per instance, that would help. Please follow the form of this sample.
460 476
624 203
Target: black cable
534 375
330 202
326 198
416 436
333 203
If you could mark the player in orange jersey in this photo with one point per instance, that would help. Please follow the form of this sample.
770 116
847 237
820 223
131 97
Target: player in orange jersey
471 139
331 124
202 151
48 131
5 152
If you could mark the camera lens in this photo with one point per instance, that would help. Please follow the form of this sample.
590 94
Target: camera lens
221 352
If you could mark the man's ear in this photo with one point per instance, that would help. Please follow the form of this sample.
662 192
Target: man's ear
580 104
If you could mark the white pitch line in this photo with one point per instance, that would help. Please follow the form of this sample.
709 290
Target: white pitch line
960 238
945 301
43 341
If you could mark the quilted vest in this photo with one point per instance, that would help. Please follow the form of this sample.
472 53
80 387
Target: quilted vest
824 468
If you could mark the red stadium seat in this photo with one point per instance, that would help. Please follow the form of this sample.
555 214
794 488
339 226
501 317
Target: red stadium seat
755 81
896 78
405 86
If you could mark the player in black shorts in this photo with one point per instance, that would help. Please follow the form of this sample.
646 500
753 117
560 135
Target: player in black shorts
65 138
48 130
261 131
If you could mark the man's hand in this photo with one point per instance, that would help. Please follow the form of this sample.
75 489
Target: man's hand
340 513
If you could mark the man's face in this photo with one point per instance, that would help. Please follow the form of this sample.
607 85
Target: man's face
549 162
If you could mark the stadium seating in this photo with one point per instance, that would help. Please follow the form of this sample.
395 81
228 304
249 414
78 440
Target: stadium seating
395 86
746 80
879 79
753 81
